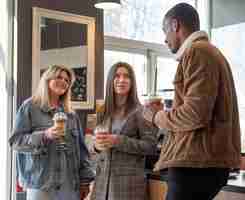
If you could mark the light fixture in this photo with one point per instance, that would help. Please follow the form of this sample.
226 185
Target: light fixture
107 4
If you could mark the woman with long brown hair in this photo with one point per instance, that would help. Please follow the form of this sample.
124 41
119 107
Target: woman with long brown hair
128 139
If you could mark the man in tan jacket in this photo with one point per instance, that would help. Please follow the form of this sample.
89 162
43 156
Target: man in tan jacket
203 140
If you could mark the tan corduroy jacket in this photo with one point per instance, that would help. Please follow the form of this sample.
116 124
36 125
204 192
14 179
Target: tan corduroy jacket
203 126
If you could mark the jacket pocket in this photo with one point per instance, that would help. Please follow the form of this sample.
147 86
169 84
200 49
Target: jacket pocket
30 163
37 162
38 169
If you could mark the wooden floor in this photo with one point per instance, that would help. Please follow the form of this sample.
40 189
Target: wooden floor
157 190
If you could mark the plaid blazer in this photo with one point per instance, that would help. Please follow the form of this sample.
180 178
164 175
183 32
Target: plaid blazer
120 171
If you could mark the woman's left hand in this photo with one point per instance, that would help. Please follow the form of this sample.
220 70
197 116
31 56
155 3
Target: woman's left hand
84 191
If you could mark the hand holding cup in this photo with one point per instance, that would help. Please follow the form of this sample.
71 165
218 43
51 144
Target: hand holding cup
151 106
53 133
60 119
103 139
154 102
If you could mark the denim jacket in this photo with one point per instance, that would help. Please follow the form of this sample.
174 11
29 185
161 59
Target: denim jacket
39 164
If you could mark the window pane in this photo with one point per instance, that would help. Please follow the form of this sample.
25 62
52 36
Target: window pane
138 62
139 19
166 69
234 50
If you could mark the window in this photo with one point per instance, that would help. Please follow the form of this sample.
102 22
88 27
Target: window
138 61
139 20
234 50
136 28
134 34
166 68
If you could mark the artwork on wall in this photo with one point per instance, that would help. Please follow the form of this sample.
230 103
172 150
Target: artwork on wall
79 87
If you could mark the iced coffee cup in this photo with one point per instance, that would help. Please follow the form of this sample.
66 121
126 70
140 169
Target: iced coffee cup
101 131
101 134
100 105
153 101
60 122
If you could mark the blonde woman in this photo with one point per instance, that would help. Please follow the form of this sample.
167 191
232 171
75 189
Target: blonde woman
46 171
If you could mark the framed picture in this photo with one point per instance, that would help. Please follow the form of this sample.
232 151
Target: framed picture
79 88
60 38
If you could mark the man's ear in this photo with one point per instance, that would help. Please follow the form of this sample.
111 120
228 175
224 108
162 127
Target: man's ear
174 25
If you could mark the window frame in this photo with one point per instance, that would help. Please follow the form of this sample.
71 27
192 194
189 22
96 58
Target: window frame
150 50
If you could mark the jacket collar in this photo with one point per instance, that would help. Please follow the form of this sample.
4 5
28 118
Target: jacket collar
188 42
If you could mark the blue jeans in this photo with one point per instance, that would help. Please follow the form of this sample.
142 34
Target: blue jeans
64 193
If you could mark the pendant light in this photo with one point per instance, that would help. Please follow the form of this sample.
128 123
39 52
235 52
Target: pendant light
107 4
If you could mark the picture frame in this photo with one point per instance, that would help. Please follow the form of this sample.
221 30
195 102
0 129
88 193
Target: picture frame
61 38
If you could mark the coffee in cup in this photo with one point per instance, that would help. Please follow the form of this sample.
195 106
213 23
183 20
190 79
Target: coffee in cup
153 100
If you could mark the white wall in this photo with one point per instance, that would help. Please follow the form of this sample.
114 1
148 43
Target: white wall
5 96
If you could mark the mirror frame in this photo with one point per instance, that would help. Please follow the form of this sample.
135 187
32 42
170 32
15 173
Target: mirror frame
38 13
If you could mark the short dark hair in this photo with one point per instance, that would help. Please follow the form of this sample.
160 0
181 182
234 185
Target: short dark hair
186 14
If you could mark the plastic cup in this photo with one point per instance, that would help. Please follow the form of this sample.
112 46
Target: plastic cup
153 100
101 131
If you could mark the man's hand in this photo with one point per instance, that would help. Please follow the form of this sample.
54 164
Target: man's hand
84 191
150 110
149 114
155 105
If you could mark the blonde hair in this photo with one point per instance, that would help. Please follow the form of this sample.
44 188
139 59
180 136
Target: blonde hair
42 98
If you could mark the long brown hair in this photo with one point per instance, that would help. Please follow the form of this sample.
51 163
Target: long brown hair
42 98
132 100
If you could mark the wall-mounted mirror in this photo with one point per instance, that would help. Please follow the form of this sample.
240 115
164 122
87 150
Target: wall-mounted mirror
66 39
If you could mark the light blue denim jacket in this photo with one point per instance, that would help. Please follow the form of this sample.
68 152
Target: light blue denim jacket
39 164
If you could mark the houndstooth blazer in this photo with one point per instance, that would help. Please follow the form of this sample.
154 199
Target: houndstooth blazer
120 171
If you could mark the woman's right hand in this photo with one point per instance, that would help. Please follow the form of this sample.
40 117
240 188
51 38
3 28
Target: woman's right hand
99 143
52 133
104 142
